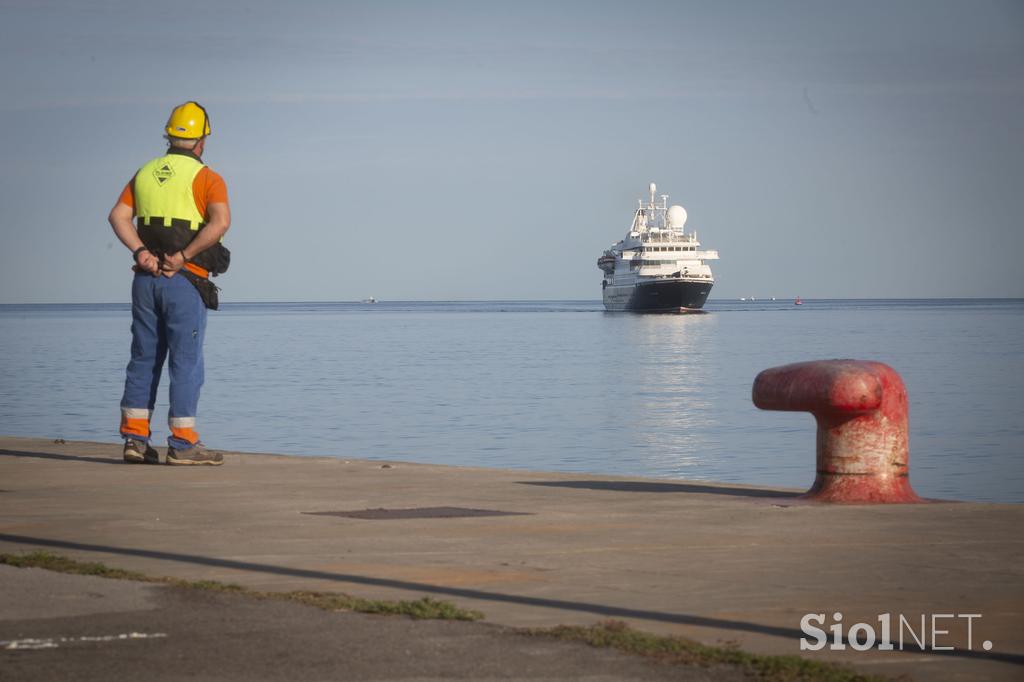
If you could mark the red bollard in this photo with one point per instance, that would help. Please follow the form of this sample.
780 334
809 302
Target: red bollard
861 409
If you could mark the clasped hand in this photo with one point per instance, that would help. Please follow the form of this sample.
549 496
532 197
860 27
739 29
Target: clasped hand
166 265
148 262
172 263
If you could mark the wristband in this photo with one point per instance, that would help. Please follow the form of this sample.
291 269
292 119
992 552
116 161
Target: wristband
136 252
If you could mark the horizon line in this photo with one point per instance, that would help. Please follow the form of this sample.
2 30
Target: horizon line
538 300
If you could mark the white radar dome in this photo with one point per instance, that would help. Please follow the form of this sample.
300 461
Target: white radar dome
676 216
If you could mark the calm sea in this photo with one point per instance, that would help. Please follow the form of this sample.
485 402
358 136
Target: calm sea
546 385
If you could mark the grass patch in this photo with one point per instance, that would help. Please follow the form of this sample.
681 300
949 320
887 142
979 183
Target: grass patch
682 651
60 564
609 634
423 608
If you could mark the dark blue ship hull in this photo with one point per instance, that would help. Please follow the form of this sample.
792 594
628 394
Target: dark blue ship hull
659 296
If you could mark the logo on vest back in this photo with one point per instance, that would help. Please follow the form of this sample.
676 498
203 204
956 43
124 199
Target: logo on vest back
163 173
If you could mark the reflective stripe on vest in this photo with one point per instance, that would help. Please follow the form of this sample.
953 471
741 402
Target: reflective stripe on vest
163 189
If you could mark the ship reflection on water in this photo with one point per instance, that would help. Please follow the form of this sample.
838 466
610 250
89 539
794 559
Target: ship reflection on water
670 410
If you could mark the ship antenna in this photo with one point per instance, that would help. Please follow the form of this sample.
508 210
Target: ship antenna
654 188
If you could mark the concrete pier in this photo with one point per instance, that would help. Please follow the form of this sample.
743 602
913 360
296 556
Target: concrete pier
714 562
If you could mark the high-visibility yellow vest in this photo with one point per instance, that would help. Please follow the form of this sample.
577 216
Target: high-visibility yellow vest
163 192
166 213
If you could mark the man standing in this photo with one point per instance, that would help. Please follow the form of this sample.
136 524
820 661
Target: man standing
181 212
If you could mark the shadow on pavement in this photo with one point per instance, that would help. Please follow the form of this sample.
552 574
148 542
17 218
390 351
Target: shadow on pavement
650 487
72 458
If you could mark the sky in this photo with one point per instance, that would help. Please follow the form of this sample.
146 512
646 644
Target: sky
492 150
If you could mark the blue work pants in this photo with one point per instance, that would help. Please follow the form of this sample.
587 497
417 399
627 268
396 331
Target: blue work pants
168 318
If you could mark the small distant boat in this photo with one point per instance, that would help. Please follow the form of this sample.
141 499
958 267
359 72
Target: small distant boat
369 300
798 301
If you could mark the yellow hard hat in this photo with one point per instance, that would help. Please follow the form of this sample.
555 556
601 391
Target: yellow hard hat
189 121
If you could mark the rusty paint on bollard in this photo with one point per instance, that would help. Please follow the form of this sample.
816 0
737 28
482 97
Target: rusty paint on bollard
861 410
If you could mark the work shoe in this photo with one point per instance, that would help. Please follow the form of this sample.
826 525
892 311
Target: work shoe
139 452
197 454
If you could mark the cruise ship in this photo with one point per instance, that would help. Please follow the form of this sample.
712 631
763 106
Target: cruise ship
657 267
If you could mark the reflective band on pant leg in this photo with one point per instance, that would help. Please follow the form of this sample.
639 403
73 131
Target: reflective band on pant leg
135 422
184 428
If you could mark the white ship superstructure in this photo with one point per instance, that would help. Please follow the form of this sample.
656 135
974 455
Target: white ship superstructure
657 266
